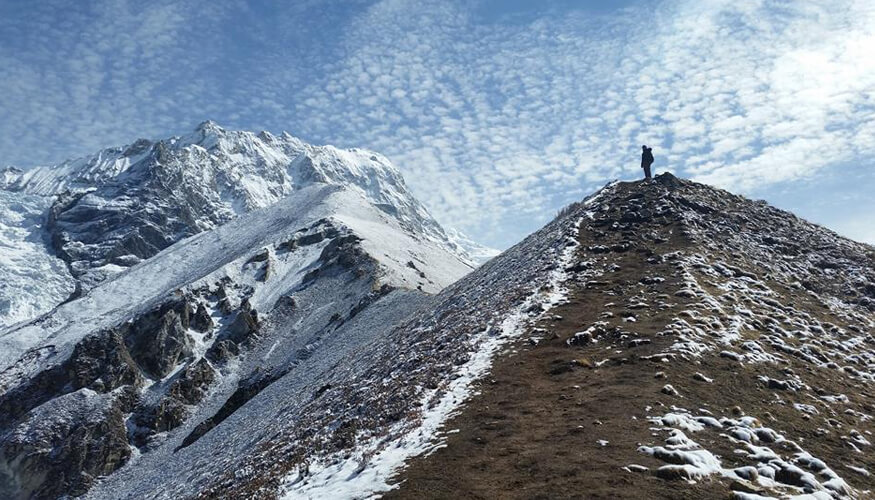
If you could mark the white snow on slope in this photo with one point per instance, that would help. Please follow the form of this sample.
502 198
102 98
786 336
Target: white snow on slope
368 470
72 174
143 286
32 280
403 255
688 459
138 289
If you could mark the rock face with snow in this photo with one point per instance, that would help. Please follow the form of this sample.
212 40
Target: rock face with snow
120 206
199 270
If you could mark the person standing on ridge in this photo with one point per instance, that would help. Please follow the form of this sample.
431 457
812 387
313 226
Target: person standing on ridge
646 160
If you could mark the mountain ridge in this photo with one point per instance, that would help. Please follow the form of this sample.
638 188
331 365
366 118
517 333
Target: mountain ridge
711 347
202 326
700 315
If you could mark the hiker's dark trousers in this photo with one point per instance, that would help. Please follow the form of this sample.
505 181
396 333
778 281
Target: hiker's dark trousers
646 168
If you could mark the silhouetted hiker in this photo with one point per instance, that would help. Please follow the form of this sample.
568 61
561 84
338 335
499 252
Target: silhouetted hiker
646 160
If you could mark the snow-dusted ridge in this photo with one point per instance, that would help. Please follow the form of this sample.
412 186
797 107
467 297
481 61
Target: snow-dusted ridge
141 287
276 283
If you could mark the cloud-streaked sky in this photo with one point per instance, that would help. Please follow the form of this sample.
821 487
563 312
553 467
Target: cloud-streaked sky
497 112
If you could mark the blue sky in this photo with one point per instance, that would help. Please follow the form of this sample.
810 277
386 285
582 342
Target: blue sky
497 112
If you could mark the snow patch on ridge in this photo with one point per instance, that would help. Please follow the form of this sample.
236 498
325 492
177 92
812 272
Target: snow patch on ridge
422 265
689 460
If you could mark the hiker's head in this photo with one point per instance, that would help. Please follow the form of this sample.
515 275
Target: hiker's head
643 147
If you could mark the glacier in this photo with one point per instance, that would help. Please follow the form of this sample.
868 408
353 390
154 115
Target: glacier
33 279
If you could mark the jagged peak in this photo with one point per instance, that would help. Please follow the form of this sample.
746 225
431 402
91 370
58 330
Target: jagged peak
209 126
235 171
265 148
206 135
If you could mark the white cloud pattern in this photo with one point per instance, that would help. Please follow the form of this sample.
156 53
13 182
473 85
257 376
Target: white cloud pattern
495 121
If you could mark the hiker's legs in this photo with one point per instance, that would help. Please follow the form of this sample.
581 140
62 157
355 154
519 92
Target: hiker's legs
647 171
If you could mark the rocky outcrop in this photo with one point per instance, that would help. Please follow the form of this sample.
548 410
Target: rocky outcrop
172 409
201 320
340 254
66 425
68 443
100 363
246 390
157 340
239 333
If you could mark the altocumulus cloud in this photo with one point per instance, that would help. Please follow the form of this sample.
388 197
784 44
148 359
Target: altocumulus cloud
495 121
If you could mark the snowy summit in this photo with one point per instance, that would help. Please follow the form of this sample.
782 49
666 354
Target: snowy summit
103 213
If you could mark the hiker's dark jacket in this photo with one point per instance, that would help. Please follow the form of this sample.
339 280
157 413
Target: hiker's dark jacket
646 158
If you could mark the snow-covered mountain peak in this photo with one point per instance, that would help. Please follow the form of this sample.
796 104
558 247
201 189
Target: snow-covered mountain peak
122 205
285 162
208 126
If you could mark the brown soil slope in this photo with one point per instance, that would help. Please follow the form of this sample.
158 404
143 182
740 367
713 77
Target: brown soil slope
710 346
